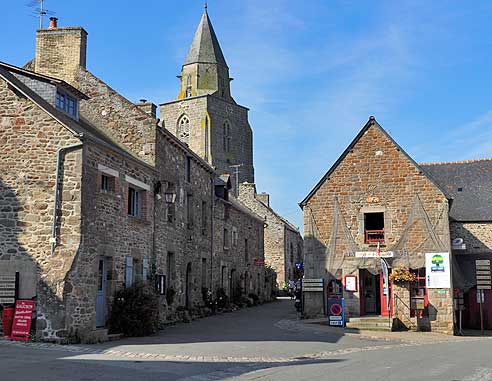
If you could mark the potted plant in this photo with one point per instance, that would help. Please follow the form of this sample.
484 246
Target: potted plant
402 275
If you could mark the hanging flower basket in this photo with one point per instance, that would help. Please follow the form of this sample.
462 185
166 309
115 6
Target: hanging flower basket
402 275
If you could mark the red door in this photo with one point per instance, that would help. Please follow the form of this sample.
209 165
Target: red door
384 297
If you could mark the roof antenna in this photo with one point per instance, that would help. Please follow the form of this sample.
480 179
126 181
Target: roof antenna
39 11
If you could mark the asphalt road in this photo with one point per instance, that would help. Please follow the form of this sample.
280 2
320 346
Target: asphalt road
262 343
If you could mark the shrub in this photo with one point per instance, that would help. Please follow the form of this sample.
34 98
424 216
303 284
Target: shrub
135 311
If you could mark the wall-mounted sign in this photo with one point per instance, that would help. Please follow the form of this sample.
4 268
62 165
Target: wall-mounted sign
336 313
22 320
373 254
351 283
437 270
8 288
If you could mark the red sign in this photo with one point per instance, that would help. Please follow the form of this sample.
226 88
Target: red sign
22 320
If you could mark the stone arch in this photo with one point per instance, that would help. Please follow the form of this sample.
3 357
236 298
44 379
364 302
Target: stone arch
183 128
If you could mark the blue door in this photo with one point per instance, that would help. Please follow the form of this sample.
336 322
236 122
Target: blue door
101 294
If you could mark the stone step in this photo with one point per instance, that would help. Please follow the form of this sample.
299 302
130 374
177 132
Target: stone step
378 329
115 336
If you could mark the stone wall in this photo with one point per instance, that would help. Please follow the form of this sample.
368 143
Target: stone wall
30 138
278 235
376 176
208 116
238 251
477 236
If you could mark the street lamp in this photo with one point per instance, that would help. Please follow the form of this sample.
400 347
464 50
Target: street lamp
170 197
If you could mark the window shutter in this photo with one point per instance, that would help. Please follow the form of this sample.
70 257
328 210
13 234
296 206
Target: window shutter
128 272
145 269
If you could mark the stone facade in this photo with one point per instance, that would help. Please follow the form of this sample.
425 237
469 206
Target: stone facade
102 239
283 242
374 175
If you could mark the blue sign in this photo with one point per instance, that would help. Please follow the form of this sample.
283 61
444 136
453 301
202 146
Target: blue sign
336 312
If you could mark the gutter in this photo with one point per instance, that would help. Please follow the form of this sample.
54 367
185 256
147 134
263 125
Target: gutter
59 153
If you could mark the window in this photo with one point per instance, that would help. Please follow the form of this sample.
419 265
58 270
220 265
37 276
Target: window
183 129
246 251
134 202
226 238
418 293
107 183
206 137
204 218
234 237
66 103
170 207
374 227
223 276
188 86
128 272
189 210
188 169
145 269
204 272
227 137
170 268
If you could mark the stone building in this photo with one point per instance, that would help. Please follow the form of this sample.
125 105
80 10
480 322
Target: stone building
283 242
206 117
96 196
374 196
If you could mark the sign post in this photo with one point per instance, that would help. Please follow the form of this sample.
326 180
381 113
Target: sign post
484 282
314 285
336 312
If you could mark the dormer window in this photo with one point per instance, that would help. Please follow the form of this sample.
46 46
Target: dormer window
66 103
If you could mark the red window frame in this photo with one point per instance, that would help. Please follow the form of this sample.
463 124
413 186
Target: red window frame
418 289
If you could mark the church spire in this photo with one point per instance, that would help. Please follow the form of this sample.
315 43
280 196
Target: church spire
205 47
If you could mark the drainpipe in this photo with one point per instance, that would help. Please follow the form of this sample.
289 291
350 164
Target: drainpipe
59 153
212 209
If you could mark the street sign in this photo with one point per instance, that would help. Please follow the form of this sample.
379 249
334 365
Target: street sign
312 285
483 274
336 313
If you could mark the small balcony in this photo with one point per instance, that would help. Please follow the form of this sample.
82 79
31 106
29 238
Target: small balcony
374 236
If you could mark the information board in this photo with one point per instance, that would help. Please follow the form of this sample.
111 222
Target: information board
438 271
22 320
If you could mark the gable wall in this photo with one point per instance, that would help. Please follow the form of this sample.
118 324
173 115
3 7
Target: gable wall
375 168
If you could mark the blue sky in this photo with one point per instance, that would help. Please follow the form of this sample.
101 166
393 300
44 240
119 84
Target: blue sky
311 71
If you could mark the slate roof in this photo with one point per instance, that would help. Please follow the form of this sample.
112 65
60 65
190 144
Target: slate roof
205 47
469 186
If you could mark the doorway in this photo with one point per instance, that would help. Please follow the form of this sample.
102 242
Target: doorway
102 278
188 286
370 296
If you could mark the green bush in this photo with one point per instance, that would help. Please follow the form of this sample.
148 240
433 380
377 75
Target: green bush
135 311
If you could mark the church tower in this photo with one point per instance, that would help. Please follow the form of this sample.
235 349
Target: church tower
205 116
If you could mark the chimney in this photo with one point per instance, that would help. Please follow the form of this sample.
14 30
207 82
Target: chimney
147 107
60 52
264 198
53 22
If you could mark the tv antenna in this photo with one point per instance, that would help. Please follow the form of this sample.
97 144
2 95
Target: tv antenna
39 10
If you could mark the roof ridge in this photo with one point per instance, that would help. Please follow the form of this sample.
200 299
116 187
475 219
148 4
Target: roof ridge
458 161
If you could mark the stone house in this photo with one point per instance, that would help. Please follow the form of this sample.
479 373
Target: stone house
283 242
467 185
96 196
376 196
